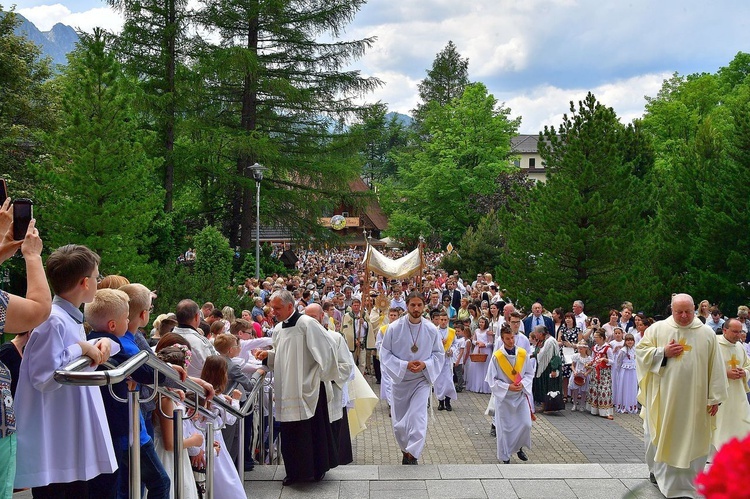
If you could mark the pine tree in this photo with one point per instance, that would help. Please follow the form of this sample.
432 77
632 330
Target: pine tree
445 82
100 184
578 237
278 94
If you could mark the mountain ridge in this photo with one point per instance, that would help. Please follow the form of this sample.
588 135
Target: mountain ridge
55 43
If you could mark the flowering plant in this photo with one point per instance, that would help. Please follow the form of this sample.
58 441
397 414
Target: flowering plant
726 478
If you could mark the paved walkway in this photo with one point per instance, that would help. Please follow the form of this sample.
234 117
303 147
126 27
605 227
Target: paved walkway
461 481
572 455
462 437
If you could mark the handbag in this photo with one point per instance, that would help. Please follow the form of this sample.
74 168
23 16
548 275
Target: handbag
553 401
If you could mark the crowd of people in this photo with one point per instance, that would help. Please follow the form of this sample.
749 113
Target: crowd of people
318 333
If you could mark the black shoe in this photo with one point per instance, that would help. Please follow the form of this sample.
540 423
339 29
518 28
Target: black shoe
249 466
652 478
493 432
522 455
287 481
441 405
448 404
405 459
320 477
413 461
506 462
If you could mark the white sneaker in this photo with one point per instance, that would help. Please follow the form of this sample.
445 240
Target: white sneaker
573 409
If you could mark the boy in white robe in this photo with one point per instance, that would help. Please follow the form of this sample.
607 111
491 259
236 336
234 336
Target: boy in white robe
445 390
385 380
733 420
413 356
510 376
63 435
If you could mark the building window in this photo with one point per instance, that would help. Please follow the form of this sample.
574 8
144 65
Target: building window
517 163
532 162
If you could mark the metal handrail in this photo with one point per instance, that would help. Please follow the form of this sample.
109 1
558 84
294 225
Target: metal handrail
74 374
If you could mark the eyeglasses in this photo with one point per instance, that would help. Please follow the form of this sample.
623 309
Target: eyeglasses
515 322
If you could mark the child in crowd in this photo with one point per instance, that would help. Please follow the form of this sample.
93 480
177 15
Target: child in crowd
616 344
458 361
63 437
228 346
625 391
578 392
227 483
179 355
108 315
600 381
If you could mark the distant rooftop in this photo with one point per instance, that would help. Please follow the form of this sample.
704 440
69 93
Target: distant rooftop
524 143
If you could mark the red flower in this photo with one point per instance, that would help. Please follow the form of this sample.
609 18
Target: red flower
727 476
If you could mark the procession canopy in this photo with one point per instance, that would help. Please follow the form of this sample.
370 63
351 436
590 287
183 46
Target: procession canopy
406 266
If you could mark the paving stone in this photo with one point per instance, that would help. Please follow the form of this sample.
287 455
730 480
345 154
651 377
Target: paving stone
319 490
398 485
498 488
601 488
626 470
542 489
455 489
561 471
398 494
263 490
358 489
465 471
366 472
261 473
420 472
642 488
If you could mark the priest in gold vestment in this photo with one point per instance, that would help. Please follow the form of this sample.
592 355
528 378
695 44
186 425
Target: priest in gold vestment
681 382
733 420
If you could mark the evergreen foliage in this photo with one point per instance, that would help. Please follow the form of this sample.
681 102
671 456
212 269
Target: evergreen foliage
99 183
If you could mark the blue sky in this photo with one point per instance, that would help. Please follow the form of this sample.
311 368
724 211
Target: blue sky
534 55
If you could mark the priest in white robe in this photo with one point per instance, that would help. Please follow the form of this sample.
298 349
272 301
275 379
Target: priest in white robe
682 382
413 356
445 390
733 419
510 376
303 358
335 388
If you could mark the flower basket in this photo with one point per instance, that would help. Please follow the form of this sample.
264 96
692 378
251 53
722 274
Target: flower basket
478 357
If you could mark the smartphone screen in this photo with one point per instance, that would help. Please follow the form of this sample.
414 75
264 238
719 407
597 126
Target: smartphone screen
22 214
3 191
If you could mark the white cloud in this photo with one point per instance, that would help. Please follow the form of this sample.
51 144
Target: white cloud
46 16
545 105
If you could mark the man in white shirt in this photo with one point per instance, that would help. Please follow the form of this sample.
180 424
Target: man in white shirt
580 316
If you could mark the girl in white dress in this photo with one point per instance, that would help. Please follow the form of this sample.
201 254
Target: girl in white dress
163 428
227 482
477 371
580 370
617 344
625 390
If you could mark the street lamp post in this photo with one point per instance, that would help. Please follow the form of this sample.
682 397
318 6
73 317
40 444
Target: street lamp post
257 171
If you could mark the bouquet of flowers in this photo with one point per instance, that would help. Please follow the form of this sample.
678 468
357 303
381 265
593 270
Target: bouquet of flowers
726 478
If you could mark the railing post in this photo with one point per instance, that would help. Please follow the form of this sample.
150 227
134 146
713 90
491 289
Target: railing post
210 455
134 419
177 478
269 401
241 453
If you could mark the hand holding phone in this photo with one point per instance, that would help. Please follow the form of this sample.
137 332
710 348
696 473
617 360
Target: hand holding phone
3 191
6 216
32 244
22 214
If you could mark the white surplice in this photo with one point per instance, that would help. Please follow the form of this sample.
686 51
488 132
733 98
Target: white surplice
444 386
411 391
512 409
303 356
